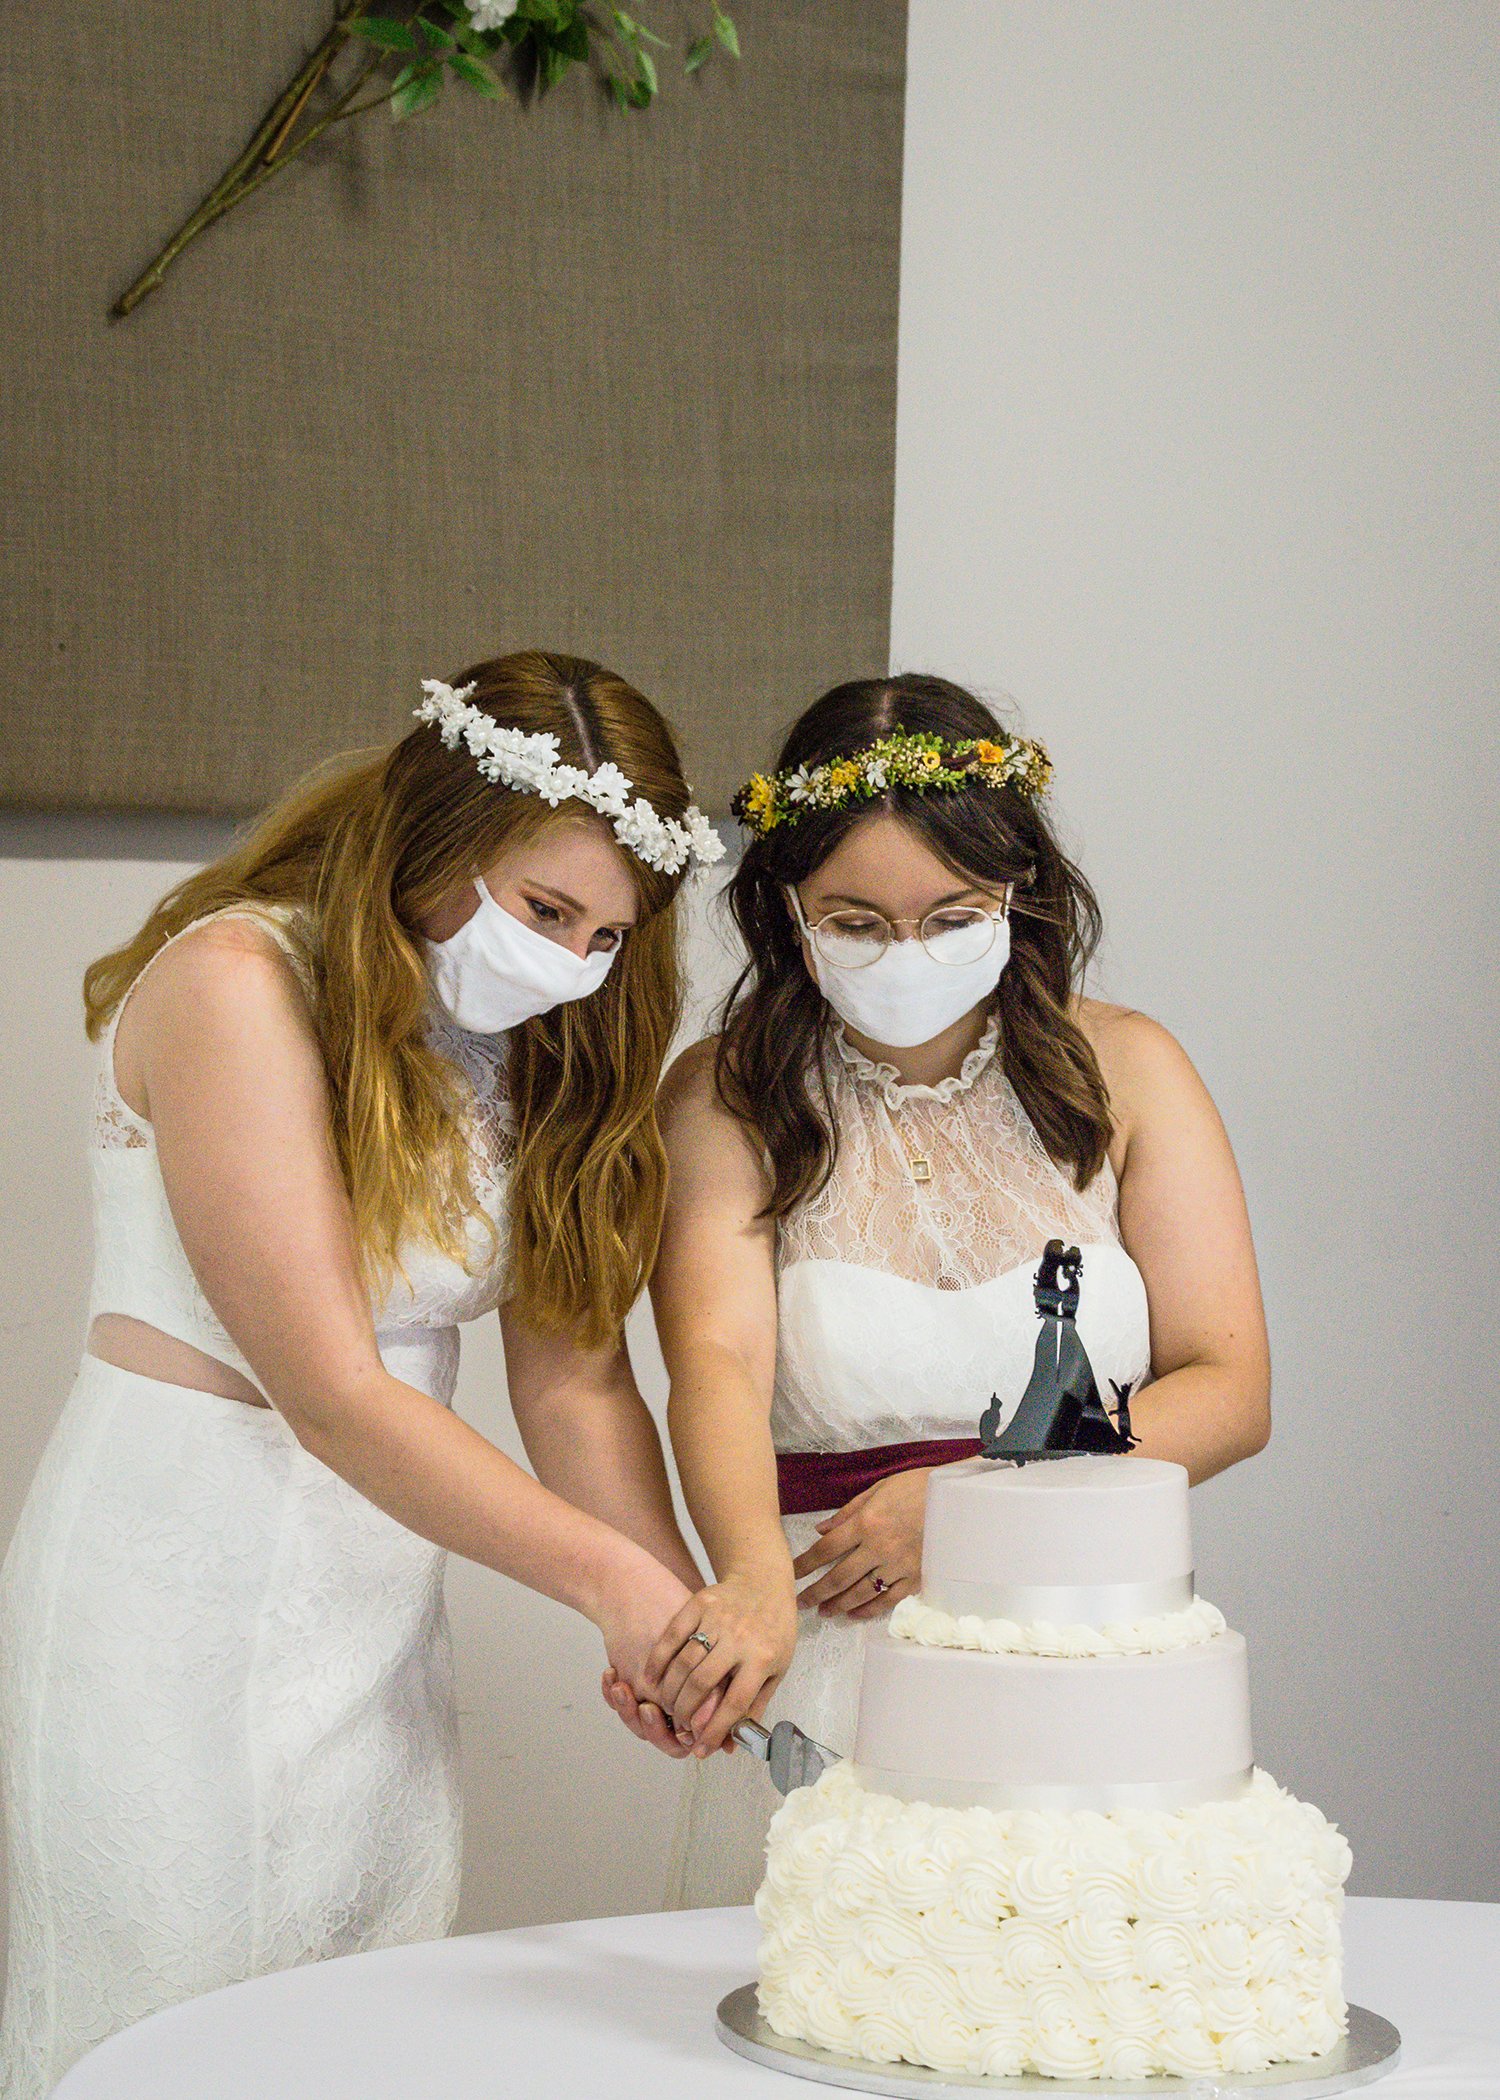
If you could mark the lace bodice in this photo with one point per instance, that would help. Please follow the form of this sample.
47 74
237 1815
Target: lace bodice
995 1196
905 1301
141 1268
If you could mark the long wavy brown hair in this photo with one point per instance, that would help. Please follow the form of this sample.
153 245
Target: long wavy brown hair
771 1065
364 848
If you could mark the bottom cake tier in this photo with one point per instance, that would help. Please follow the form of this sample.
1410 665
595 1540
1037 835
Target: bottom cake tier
1077 1944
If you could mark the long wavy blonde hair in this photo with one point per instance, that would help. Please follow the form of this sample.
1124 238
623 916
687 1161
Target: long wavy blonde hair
363 848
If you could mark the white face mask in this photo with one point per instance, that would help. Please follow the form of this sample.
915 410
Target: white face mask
497 972
906 996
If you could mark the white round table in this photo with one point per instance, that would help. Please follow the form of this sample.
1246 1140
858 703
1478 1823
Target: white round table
624 2008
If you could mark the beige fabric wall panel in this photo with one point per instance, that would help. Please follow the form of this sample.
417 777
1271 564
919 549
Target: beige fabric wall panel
618 383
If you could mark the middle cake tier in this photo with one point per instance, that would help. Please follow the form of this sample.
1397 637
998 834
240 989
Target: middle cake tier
969 1730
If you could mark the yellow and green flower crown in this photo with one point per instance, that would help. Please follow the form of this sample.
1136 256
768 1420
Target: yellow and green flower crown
916 758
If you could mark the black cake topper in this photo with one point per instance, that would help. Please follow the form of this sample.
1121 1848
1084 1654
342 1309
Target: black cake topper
1060 1410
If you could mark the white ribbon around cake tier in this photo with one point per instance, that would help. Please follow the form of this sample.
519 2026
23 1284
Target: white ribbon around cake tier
1101 1797
1061 1603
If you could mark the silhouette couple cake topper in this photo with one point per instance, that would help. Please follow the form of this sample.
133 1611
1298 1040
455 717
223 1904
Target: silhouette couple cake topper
1060 1411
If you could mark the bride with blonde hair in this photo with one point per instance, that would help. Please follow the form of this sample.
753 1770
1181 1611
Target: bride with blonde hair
387 1066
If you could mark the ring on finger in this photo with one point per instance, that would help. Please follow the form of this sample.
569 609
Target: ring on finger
704 1639
879 1584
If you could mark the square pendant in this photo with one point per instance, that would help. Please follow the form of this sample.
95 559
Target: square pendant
921 1170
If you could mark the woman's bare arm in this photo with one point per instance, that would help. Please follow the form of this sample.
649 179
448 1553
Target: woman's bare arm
1184 1223
223 1050
590 1437
714 1292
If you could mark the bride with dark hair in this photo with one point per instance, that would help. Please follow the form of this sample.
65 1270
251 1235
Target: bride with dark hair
909 1098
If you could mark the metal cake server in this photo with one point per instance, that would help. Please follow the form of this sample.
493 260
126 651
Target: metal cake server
792 1758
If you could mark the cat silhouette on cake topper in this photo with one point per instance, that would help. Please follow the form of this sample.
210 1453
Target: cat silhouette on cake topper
1060 1410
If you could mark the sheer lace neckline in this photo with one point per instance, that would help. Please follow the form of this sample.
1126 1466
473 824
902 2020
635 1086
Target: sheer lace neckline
885 1078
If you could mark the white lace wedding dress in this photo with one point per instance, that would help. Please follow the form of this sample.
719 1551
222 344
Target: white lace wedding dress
901 1306
226 1709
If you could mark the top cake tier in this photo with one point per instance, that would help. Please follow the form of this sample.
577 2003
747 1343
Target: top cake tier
1084 1540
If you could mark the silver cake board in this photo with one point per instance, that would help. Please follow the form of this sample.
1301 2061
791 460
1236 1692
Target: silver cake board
1370 2049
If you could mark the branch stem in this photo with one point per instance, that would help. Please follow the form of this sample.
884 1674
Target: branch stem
265 154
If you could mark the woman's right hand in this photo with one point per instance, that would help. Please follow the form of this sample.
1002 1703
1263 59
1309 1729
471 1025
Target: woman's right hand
734 1640
638 1598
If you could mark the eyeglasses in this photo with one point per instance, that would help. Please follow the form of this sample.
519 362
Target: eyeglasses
954 934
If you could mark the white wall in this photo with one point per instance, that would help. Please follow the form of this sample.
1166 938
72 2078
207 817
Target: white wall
566 1815
1195 453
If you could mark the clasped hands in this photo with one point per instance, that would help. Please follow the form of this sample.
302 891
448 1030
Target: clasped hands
725 1651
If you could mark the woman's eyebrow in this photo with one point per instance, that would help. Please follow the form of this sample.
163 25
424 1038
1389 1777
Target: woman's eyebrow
843 897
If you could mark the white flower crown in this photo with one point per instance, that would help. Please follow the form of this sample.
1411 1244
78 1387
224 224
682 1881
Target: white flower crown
515 758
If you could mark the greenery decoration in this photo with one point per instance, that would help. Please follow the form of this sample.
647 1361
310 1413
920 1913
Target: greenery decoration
402 59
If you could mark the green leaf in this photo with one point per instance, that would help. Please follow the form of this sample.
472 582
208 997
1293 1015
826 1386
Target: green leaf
698 50
434 35
389 35
575 39
650 36
626 25
645 70
554 63
726 32
475 74
419 93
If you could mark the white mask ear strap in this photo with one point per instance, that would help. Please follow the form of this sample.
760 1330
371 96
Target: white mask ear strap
797 912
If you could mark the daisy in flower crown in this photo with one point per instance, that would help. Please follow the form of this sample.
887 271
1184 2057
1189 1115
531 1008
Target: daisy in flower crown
904 759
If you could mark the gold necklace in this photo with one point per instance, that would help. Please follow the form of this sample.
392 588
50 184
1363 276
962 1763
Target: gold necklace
920 1164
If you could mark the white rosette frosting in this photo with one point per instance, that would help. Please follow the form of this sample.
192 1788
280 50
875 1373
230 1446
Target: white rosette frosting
916 1620
1077 1944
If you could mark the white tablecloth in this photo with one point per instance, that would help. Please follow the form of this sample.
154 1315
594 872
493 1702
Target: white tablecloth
624 2007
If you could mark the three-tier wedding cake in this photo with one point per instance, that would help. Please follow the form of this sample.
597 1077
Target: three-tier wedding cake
1051 1850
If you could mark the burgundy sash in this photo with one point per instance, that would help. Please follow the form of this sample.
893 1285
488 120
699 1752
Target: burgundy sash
817 1480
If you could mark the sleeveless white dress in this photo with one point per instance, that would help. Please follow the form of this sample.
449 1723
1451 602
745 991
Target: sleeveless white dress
226 1705
901 1307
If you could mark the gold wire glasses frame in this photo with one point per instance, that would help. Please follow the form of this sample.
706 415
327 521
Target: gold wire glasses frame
953 934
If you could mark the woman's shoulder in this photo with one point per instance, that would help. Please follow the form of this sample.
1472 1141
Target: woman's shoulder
222 990
233 962
1142 1062
1123 1033
689 1086
250 944
701 1131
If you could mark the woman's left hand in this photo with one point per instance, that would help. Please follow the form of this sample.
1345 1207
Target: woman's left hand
875 1538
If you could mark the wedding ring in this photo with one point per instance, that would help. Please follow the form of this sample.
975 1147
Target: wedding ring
703 1637
881 1585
